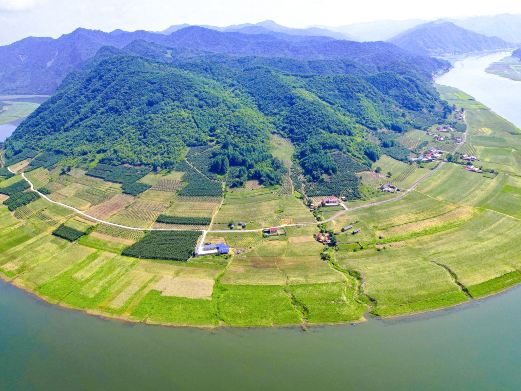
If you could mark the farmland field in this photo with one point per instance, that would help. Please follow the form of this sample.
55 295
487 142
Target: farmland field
452 239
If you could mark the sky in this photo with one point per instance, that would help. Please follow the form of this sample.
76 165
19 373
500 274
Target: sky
22 18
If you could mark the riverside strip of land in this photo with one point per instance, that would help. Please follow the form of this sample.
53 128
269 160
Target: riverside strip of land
450 238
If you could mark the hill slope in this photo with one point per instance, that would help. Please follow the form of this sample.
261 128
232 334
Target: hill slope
147 104
445 38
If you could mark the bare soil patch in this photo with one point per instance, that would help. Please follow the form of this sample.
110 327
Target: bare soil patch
192 288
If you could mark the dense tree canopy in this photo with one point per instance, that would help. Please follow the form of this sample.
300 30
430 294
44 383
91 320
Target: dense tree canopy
142 107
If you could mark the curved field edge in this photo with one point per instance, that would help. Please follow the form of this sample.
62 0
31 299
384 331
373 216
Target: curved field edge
452 240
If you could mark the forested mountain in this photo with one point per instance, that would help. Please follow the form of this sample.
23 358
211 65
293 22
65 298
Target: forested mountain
38 65
147 104
445 38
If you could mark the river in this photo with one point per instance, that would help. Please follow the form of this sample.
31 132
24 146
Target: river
472 347
6 130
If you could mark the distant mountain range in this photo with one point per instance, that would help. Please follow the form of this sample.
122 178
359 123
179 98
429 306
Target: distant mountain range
441 38
268 27
506 26
38 65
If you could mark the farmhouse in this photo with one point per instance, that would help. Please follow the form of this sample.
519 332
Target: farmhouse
212 249
330 201
324 238
356 231
347 228
444 128
472 168
468 158
389 188
273 231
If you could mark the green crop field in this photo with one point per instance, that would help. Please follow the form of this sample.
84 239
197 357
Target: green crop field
261 208
454 238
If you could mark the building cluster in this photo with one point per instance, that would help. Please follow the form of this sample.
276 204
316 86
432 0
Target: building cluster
444 128
430 156
349 227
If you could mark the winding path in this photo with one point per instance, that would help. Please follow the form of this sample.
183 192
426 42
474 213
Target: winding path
223 231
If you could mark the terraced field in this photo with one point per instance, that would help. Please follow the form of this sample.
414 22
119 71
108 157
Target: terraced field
453 239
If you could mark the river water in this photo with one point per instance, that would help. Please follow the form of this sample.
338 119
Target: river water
473 347
6 130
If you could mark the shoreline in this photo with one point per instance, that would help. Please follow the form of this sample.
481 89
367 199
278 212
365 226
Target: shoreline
367 317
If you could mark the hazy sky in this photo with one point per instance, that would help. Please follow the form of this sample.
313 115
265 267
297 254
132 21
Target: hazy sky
21 18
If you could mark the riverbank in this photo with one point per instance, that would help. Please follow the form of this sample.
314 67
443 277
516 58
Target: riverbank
45 346
448 240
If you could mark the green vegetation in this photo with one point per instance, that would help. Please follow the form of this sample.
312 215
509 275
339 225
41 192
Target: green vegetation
184 220
198 185
17 187
119 174
68 233
18 200
454 238
45 160
5 173
138 107
13 110
509 67
173 245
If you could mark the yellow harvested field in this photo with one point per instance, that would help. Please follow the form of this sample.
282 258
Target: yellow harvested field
111 207
20 166
192 288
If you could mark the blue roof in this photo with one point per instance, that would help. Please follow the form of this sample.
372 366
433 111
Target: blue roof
221 247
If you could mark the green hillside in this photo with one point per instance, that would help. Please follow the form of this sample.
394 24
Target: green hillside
129 108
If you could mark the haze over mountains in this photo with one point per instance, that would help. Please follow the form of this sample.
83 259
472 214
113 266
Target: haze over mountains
441 38
38 65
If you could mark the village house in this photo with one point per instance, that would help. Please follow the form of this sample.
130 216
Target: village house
212 249
468 158
444 128
323 238
472 168
273 231
389 188
347 228
330 201
431 155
